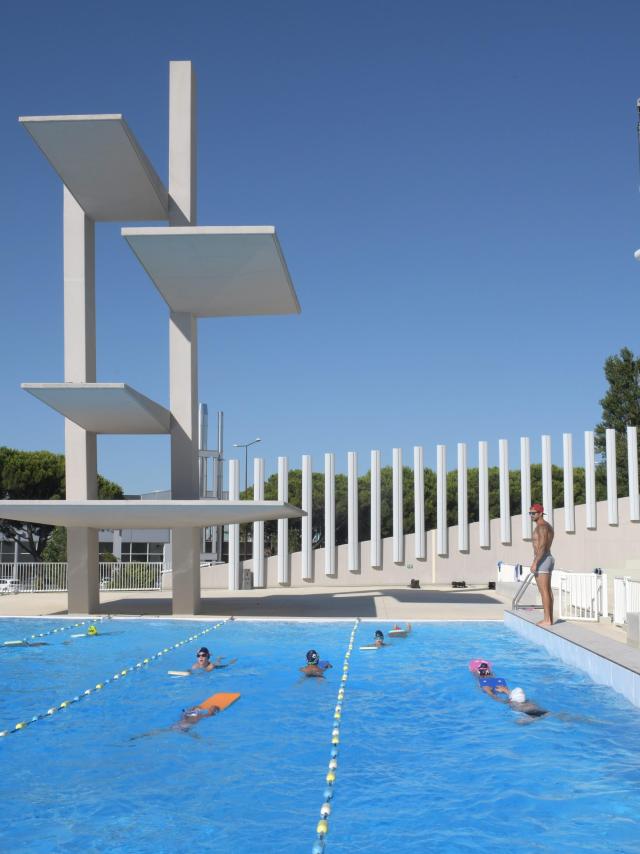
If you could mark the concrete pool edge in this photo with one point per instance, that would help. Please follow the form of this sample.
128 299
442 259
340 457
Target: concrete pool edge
607 662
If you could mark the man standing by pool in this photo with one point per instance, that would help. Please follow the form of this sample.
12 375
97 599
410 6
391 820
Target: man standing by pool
543 563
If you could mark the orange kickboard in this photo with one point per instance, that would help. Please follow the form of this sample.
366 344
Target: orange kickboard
222 701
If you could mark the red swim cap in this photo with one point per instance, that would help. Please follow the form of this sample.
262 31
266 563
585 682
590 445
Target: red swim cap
537 508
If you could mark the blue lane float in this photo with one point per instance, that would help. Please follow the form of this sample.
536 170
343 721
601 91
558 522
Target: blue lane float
116 677
322 828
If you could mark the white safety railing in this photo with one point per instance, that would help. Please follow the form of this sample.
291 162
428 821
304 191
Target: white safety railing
34 577
130 576
582 596
626 598
52 577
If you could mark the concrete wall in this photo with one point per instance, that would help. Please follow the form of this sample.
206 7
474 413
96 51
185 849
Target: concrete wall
615 548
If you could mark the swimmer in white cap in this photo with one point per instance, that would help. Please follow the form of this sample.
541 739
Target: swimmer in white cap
519 703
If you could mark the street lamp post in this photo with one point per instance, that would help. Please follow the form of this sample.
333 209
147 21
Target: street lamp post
246 446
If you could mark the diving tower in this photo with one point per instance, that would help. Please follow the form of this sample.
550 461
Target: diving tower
200 271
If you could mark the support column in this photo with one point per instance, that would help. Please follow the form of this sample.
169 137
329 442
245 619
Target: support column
463 502
258 527
283 524
505 496
420 551
483 496
441 500
330 514
525 486
353 548
81 467
183 342
375 557
567 463
307 527
547 480
398 516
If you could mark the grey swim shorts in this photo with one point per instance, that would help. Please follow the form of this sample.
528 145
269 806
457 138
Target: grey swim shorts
546 564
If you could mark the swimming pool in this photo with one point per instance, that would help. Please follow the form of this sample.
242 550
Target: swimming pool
425 762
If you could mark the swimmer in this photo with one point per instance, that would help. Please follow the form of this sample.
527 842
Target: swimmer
315 667
378 639
492 685
188 719
519 703
204 661
398 632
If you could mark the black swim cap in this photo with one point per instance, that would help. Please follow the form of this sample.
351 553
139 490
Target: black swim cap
313 657
378 634
204 651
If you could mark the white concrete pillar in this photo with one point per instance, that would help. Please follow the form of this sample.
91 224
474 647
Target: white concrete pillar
234 529
183 403
329 514
283 524
353 551
525 486
547 483
376 512
505 496
567 467
612 477
307 530
420 548
590 480
183 342
463 500
441 500
632 465
484 529
398 519
81 465
257 553
182 144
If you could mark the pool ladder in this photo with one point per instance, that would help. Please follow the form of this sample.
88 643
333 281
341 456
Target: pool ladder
515 603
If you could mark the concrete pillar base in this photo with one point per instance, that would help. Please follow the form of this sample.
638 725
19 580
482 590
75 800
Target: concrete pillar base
185 561
83 579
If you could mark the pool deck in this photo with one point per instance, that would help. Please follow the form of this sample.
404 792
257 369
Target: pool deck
384 603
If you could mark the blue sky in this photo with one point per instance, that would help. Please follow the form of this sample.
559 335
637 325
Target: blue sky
455 188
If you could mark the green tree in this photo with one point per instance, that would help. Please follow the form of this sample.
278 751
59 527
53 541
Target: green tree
32 475
620 409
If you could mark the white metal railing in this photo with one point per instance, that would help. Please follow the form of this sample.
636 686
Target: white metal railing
34 577
52 577
626 598
582 596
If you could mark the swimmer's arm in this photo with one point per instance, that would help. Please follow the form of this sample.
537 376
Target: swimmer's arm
488 690
217 665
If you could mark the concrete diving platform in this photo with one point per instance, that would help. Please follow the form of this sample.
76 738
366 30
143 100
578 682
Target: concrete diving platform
145 513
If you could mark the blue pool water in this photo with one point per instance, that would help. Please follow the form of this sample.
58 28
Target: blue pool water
426 762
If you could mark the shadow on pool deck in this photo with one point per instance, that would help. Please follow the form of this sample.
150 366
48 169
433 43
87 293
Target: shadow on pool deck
346 603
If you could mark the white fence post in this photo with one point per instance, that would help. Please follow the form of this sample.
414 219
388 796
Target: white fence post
483 496
505 497
567 472
441 500
418 503
632 462
463 502
375 556
257 547
283 524
353 552
307 506
329 514
398 521
590 480
612 475
525 486
234 529
547 481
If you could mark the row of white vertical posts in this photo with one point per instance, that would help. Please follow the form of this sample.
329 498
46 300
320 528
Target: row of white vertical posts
442 544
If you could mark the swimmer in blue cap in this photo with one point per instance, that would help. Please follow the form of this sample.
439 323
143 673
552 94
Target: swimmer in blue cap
315 667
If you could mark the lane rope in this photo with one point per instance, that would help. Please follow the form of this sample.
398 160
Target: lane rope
322 827
64 628
116 676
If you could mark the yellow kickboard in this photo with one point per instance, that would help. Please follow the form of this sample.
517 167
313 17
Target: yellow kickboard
222 701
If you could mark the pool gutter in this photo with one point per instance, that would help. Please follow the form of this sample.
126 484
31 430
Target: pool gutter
606 661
